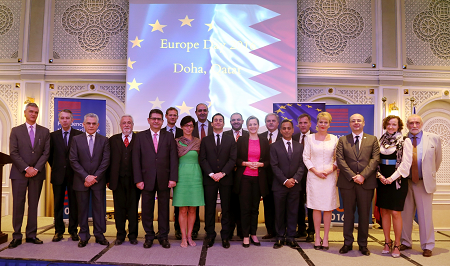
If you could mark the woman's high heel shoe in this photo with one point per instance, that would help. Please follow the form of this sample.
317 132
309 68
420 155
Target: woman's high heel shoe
254 242
395 255
389 244
325 247
320 246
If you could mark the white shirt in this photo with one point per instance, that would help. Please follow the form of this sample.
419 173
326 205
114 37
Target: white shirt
360 138
28 128
274 135
306 135
234 133
130 136
286 146
200 128
157 135
174 130
215 137
93 137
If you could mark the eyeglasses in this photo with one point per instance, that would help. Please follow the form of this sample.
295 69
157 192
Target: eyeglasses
155 118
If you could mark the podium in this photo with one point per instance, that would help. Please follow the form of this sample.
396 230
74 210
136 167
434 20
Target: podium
4 159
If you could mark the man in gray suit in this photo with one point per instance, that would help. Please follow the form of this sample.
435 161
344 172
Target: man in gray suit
89 158
357 156
29 150
427 157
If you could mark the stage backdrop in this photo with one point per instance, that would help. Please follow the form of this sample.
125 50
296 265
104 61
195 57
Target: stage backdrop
233 55
293 110
79 108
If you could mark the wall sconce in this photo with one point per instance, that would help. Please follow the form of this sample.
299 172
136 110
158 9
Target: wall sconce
393 109
17 85
29 100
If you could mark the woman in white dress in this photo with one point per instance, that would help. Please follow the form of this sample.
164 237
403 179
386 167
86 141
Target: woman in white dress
320 159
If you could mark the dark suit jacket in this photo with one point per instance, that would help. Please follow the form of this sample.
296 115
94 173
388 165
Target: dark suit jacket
296 136
242 156
59 156
230 132
23 155
283 168
266 133
365 163
84 164
215 160
269 173
195 132
178 133
117 147
149 166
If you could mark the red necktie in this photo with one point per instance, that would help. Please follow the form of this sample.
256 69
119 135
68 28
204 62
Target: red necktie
303 139
237 135
270 138
203 134
415 165
126 142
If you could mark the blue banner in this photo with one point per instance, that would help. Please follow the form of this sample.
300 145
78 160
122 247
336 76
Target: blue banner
292 111
79 108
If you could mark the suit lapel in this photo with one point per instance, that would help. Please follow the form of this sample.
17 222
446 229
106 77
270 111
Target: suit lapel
150 139
424 144
85 142
352 144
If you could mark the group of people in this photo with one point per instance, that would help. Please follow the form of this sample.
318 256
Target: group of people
200 161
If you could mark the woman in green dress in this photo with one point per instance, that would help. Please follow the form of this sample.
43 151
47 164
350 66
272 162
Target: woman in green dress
188 194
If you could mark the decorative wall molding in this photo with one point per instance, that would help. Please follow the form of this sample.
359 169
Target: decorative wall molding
353 96
100 68
11 97
441 127
65 91
117 90
420 97
357 96
303 95
10 15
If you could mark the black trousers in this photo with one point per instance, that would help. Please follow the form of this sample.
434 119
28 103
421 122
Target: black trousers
210 209
249 198
176 224
148 209
98 213
302 214
286 213
59 193
235 214
126 200
269 212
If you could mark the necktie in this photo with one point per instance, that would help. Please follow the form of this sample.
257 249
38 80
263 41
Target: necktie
203 134
155 142
289 149
303 139
65 138
415 165
357 144
126 141
32 136
270 138
218 140
91 145
237 135
171 131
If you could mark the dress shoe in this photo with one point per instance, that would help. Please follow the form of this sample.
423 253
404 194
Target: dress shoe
103 242
178 234
310 237
74 237
301 233
319 246
14 243
268 236
119 242
345 249
148 243
164 243
404 247
225 243
82 243
278 244
245 245
292 244
57 237
133 241
34 240
209 241
364 250
194 235
255 243
427 253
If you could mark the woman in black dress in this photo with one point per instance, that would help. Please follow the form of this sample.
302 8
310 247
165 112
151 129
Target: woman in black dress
396 159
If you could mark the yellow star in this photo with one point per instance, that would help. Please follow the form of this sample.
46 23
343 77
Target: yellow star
279 111
157 26
288 104
209 103
309 106
299 104
210 26
130 63
134 85
282 107
319 110
136 42
186 21
156 103
184 109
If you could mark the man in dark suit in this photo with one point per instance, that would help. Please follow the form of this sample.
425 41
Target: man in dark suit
304 124
202 127
121 182
29 146
172 117
89 157
217 157
155 168
62 176
357 156
287 165
236 131
272 134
